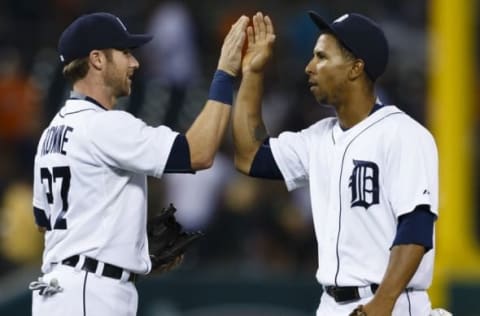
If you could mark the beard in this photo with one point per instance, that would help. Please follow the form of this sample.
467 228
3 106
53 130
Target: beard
118 83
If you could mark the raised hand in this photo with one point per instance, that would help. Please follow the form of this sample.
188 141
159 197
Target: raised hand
260 40
231 54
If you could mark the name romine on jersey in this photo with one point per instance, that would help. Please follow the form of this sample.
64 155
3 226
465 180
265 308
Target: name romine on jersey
55 139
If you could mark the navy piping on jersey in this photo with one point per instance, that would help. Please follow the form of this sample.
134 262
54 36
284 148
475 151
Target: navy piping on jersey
84 294
63 115
409 303
375 108
340 189
74 95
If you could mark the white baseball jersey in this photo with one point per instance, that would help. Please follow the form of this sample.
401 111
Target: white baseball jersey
90 180
361 180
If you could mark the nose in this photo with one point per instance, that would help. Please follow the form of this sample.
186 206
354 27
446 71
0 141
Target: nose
309 67
134 62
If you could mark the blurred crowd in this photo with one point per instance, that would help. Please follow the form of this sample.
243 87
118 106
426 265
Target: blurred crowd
251 225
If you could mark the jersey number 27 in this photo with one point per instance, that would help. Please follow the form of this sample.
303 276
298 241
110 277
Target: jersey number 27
62 173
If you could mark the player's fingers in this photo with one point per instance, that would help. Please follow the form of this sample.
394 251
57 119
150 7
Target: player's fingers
256 27
236 31
240 40
269 30
269 25
239 21
232 31
250 36
242 23
261 25
240 26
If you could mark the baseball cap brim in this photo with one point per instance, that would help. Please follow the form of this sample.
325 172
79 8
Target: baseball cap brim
317 19
136 40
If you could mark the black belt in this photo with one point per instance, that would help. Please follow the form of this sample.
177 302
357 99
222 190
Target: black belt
346 293
90 265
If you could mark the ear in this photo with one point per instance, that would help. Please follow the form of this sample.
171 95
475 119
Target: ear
357 69
97 59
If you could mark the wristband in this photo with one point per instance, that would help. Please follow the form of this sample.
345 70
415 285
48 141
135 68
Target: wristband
221 88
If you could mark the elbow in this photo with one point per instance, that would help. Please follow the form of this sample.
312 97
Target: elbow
241 165
202 163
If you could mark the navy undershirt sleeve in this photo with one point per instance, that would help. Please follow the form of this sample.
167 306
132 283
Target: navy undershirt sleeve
416 228
264 165
179 158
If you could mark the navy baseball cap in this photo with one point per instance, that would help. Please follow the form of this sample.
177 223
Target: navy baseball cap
96 31
360 35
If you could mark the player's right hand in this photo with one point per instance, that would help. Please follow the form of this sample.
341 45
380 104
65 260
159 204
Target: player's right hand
231 55
260 38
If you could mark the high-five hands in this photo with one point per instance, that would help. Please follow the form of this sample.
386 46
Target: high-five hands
260 38
231 55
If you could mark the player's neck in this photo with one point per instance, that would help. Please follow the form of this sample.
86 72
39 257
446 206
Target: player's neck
97 92
354 110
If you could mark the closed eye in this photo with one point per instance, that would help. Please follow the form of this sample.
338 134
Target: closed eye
320 55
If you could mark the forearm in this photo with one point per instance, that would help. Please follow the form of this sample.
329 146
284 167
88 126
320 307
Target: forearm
404 261
206 133
248 128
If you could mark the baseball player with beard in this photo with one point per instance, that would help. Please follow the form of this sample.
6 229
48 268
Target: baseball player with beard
90 192
372 170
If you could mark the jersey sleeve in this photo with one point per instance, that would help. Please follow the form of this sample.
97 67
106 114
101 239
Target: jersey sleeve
411 177
290 150
122 141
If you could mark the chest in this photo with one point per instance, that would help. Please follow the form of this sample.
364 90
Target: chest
350 169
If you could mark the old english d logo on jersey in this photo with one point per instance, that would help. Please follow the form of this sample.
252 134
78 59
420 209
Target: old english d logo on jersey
364 184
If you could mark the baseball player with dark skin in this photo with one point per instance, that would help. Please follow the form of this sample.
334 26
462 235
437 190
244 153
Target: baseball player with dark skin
372 170
90 188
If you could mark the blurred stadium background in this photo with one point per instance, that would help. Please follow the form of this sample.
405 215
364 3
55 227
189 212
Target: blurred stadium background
259 256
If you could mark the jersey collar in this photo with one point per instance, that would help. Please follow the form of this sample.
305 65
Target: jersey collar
377 114
75 95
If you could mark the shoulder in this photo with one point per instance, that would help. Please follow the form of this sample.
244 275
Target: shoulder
115 115
402 126
313 131
323 126
114 119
